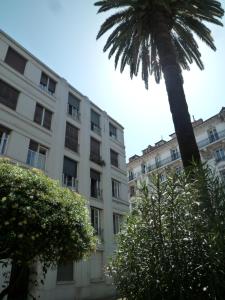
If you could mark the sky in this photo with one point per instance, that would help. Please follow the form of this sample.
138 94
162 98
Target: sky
62 34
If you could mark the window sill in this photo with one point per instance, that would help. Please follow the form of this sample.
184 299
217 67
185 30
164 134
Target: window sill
65 282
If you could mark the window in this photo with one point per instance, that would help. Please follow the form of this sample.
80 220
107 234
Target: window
96 266
95 122
213 135
71 139
96 219
143 168
112 131
47 83
95 152
219 154
73 108
158 161
117 222
15 60
132 191
36 155
115 188
95 184
70 173
114 158
4 134
43 116
174 154
65 272
8 95
131 175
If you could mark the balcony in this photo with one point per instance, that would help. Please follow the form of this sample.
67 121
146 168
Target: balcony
3 143
95 128
36 159
95 157
70 182
132 176
211 139
73 112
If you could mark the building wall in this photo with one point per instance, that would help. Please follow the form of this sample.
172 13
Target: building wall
207 145
89 281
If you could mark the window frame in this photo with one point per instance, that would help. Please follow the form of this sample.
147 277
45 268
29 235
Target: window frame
116 187
43 118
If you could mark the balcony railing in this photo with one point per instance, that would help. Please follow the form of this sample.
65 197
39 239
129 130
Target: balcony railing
73 112
97 194
95 157
95 128
70 182
3 143
212 139
36 159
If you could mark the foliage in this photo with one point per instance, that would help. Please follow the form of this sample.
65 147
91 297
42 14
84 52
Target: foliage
173 244
135 36
40 220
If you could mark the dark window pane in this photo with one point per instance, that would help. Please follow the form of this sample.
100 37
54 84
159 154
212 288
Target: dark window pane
33 146
38 113
44 79
71 140
95 150
8 95
114 158
47 119
15 60
4 129
95 118
65 272
69 167
95 175
51 86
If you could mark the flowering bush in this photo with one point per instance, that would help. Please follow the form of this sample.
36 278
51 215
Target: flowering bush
40 220
173 243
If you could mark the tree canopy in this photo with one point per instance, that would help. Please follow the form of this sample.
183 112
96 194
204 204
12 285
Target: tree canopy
40 220
135 39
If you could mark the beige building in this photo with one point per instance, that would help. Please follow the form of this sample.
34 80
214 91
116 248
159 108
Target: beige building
46 123
165 155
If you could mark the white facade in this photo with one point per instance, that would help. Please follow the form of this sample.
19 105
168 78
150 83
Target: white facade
165 155
48 124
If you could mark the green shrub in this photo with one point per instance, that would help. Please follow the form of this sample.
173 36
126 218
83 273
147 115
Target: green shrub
173 243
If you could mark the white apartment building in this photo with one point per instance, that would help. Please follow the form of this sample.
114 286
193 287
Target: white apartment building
165 155
47 124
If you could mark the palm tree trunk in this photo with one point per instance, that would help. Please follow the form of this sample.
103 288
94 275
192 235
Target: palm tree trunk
174 85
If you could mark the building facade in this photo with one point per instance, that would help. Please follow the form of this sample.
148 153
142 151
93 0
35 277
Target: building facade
165 155
47 124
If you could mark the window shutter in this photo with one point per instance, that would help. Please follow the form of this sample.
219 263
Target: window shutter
70 167
95 118
38 113
72 100
8 95
15 60
47 119
95 147
71 140
51 85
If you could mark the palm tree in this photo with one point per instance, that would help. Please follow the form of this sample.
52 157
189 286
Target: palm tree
158 35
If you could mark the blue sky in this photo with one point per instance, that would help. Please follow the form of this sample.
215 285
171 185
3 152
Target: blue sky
62 34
